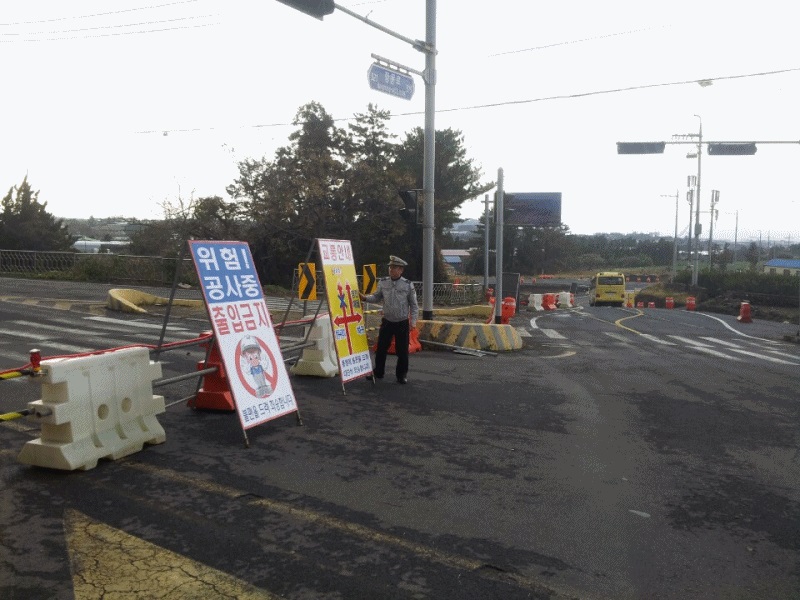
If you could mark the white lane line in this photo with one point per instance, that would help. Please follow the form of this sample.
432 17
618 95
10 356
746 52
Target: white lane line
736 331
523 332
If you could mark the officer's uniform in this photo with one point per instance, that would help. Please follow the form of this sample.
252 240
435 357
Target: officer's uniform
399 307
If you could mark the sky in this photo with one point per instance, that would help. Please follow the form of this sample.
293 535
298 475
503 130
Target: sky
114 109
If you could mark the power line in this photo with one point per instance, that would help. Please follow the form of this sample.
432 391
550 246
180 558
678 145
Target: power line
100 27
590 39
703 81
114 34
103 14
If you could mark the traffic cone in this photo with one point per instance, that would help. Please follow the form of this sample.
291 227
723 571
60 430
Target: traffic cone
215 393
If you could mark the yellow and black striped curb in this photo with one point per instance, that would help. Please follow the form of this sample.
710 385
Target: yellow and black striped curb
471 335
127 300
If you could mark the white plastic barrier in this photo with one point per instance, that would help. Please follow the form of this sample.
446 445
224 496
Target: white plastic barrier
565 300
95 407
319 360
535 302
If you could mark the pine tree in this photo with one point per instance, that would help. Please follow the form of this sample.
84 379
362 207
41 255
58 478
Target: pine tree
25 223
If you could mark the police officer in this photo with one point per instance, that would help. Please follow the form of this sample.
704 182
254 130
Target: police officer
400 310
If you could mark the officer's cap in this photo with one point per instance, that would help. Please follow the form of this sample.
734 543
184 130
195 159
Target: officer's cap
249 343
396 261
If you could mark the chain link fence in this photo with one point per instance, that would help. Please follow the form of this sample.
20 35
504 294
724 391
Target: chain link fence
444 294
158 272
100 268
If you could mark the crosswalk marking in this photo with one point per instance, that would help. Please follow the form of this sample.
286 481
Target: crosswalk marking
31 329
138 324
552 334
705 348
722 342
618 336
690 341
658 340
766 357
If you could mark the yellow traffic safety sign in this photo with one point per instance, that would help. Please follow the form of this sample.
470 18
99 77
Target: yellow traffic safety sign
307 289
369 281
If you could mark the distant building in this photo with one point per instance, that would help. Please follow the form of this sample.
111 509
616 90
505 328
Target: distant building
782 266
92 246
456 260
465 230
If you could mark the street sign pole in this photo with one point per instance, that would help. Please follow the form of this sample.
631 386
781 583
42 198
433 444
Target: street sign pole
429 159
320 8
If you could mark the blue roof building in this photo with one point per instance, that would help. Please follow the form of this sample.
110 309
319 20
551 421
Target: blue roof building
782 266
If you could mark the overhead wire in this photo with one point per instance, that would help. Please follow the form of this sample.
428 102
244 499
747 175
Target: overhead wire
702 81
68 34
580 41
102 14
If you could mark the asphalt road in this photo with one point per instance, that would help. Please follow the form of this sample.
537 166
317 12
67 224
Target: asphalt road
621 454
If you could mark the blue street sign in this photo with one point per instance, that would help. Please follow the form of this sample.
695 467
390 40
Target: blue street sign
389 81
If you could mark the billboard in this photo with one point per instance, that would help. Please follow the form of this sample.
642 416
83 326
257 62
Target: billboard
532 209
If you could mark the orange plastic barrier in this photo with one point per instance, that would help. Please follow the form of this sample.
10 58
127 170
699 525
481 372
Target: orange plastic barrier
414 345
508 310
690 303
745 315
669 302
549 301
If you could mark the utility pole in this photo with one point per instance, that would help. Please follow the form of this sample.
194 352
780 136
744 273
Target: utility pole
675 239
697 226
713 217
690 200
498 244
485 243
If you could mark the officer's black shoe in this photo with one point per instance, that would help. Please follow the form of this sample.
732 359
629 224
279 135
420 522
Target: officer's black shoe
402 380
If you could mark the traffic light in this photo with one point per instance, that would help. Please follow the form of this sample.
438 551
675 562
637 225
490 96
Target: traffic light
732 149
315 8
640 147
411 202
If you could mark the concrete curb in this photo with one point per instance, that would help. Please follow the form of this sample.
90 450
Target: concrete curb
471 335
479 336
127 300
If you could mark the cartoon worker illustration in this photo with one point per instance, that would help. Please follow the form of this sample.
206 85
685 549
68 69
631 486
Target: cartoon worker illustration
251 351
